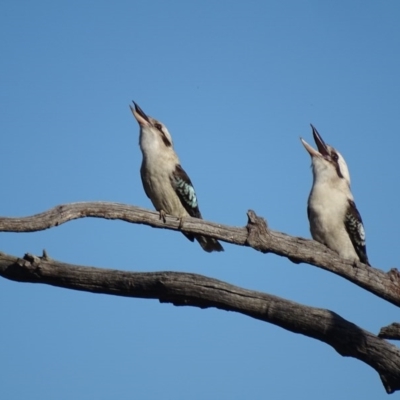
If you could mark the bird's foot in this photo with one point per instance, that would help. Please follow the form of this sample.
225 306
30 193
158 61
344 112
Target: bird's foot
162 215
180 219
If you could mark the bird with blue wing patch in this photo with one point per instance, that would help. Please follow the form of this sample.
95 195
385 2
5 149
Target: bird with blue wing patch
164 180
185 191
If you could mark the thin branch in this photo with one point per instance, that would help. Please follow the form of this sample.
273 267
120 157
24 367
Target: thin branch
255 235
185 289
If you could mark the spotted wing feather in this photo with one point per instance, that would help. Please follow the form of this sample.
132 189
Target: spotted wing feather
355 229
184 189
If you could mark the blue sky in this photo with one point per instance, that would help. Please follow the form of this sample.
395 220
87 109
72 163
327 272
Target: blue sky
237 84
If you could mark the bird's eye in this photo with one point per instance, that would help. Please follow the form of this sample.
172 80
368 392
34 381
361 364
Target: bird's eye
335 157
158 126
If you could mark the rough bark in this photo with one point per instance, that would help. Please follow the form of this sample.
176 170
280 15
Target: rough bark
391 331
255 235
183 289
199 291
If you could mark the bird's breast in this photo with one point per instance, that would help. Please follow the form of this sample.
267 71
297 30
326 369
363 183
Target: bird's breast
326 211
157 185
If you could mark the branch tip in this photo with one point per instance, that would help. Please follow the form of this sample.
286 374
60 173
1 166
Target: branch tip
45 256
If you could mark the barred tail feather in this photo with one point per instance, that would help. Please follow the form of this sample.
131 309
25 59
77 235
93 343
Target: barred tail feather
209 244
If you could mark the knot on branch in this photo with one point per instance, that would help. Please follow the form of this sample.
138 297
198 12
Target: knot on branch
33 260
391 331
24 269
257 232
394 275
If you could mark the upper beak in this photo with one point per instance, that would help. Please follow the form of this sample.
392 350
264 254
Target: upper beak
139 114
322 148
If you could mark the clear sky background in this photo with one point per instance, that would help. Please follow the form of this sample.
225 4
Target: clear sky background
237 84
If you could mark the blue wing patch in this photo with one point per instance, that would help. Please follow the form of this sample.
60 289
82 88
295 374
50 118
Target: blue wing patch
185 191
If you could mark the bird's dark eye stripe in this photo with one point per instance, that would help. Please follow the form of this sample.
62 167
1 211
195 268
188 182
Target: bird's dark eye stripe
165 140
335 159
338 171
158 126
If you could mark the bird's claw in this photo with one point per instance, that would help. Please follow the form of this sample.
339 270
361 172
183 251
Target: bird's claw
162 215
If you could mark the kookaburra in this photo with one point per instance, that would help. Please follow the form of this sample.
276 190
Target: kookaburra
332 213
165 182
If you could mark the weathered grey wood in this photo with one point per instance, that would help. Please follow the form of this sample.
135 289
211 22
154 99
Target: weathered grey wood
391 331
255 235
183 289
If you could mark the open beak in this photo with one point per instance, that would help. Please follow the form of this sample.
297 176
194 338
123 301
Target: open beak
322 148
139 114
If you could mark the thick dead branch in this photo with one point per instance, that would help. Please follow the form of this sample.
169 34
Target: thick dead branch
391 331
184 289
255 235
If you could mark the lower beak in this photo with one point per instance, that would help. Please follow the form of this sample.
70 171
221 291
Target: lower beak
311 151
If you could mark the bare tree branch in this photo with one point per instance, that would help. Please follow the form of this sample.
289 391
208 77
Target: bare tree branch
255 235
183 289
